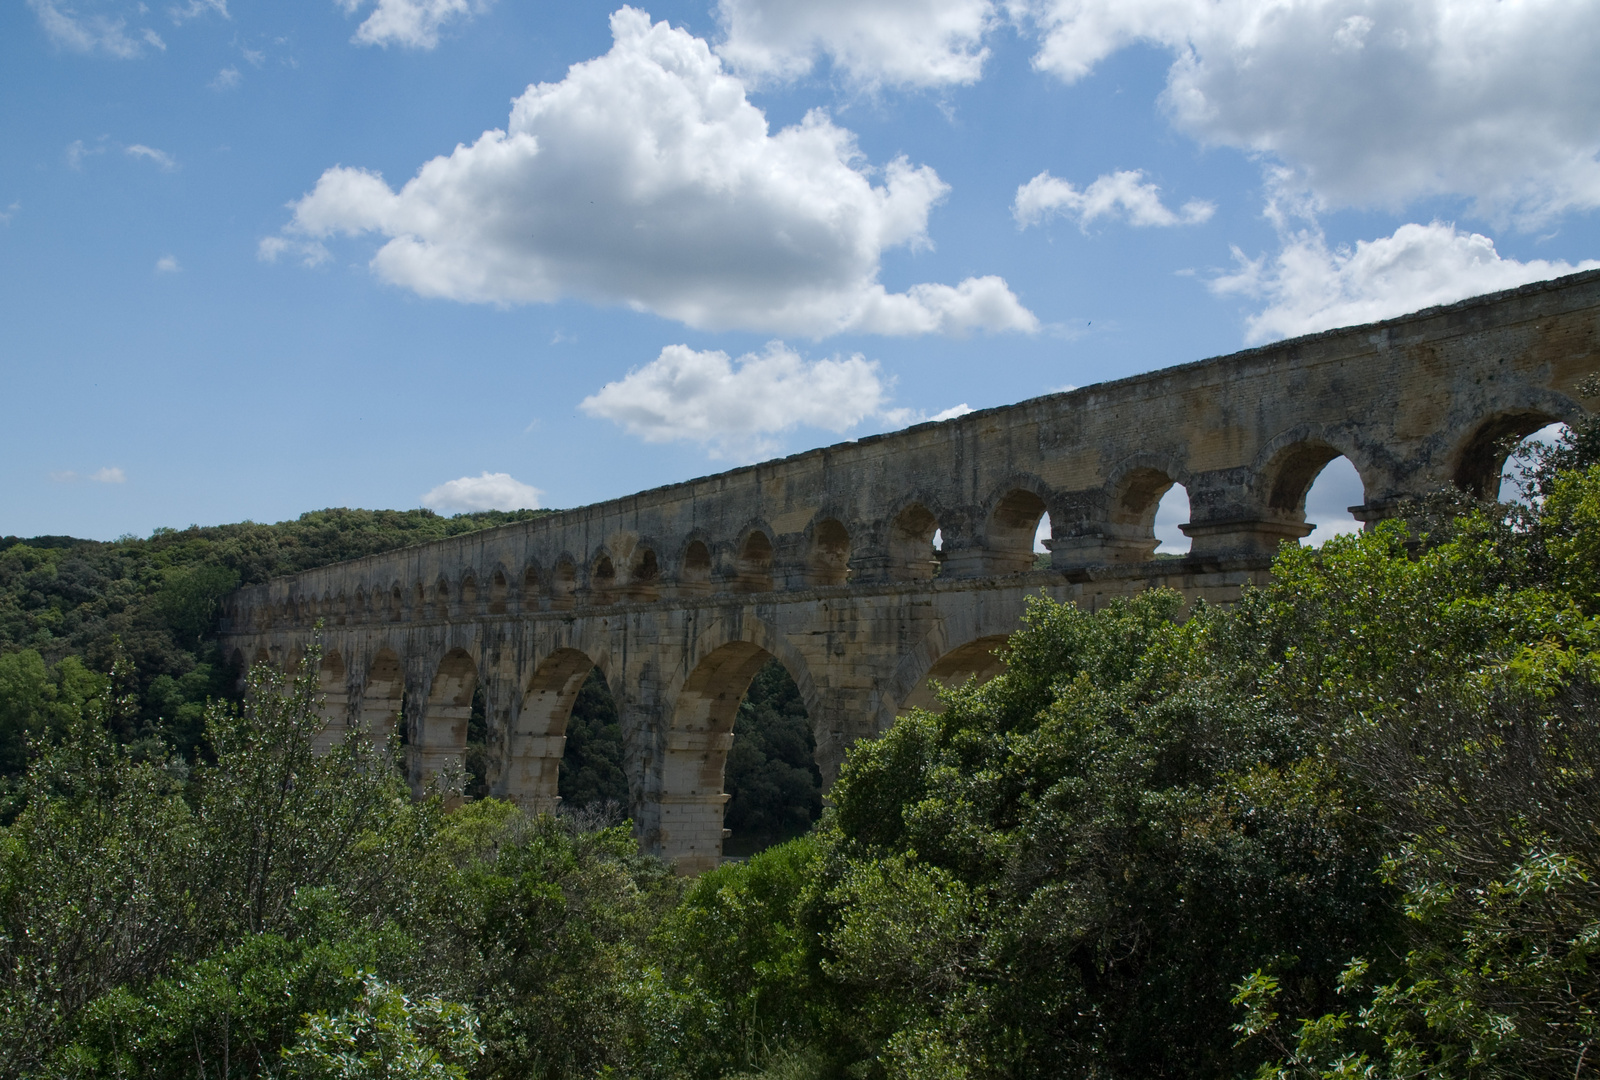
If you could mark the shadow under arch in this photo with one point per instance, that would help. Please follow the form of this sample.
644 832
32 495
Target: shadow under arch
441 739
334 687
976 659
382 696
993 624
531 777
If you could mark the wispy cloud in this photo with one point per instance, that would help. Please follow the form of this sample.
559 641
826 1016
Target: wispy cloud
167 264
160 157
196 8
111 474
92 33
226 79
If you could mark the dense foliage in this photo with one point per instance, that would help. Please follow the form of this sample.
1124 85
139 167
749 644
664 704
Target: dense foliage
1342 828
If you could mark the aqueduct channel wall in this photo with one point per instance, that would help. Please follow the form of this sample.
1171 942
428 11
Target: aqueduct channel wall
826 561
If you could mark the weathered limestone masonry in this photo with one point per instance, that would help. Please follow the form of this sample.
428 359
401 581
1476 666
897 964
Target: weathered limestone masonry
826 560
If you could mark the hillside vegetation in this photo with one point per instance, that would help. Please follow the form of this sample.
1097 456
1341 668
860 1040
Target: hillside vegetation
1343 828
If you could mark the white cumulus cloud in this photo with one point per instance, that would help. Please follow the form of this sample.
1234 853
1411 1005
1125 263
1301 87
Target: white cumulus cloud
1309 286
489 491
735 406
1125 194
414 24
647 178
68 29
904 43
1372 102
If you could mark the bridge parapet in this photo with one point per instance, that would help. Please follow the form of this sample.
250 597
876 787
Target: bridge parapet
827 560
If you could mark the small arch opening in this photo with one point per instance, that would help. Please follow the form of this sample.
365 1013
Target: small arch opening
419 602
469 595
603 581
563 586
1172 512
530 589
829 562
498 591
912 552
1481 466
1013 528
696 575
1135 508
754 572
644 577
1328 500
441 599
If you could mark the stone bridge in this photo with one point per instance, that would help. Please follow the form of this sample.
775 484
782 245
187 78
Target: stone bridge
872 567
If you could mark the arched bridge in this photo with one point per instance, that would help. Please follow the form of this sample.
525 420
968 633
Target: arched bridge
827 562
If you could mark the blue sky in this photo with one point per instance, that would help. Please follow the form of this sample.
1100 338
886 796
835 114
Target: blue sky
733 230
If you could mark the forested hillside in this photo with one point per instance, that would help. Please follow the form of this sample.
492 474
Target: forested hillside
1343 828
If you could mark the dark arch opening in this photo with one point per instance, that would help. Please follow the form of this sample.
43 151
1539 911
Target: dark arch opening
563 586
603 581
771 775
911 552
754 571
1482 463
829 562
469 595
1012 529
441 599
644 576
530 589
976 659
593 778
498 590
696 575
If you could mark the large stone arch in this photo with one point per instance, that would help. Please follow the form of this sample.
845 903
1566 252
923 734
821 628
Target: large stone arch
539 737
378 710
333 685
440 741
701 709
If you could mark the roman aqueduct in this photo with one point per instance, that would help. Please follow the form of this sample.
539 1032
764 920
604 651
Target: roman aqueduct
826 560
